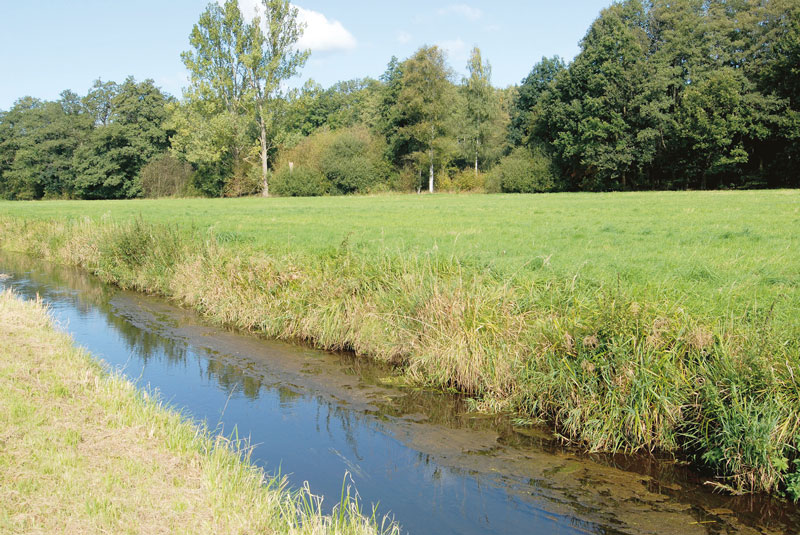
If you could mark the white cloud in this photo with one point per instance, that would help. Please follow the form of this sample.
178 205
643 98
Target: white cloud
403 37
321 34
456 49
463 10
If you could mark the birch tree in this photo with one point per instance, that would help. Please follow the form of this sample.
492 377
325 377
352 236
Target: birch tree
479 93
424 103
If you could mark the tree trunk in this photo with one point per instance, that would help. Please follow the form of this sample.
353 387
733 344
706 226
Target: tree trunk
430 154
264 161
476 160
430 177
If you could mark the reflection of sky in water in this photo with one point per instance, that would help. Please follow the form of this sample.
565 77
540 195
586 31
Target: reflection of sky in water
303 434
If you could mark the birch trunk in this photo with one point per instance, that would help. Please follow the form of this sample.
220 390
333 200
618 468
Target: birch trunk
264 161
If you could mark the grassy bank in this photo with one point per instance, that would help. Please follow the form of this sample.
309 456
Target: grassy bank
83 452
629 321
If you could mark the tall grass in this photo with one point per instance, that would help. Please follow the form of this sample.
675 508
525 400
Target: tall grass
609 371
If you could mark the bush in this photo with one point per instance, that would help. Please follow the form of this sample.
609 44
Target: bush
245 180
166 176
404 179
302 182
522 172
468 180
347 164
350 159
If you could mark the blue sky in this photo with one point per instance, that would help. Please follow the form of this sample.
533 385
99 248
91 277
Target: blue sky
48 46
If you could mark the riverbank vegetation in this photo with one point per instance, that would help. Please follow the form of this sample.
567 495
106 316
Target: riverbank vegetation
630 321
84 451
663 95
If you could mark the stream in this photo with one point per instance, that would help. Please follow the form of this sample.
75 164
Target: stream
420 455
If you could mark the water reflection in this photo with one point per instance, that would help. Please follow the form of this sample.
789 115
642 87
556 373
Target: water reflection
421 454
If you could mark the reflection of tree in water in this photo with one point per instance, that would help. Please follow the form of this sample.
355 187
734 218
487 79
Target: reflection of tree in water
143 343
53 282
230 375
85 294
350 422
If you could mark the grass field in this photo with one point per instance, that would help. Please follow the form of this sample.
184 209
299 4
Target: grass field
716 252
628 320
85 452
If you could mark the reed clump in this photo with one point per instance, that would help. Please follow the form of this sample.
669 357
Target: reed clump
610 372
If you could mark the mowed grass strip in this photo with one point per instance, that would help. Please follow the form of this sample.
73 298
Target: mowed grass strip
85 452
628 321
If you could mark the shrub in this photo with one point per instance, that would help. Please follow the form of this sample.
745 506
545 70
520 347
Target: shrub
302 182
347 164
350 159
404 179
245 180
522 172
468 180
166 176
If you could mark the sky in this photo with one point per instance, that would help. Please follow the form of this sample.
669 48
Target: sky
47 46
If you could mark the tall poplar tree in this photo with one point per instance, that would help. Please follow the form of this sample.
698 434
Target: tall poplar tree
236 70
272 58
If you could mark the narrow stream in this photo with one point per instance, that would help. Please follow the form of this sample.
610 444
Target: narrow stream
420 455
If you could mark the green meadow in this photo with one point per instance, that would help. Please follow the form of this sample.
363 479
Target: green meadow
718 253
628 321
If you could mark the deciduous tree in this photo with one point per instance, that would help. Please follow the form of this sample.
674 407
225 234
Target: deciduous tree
423 106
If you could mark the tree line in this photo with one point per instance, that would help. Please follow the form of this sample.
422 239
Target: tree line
678 94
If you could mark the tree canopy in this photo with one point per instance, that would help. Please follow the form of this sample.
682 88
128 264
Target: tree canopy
663 94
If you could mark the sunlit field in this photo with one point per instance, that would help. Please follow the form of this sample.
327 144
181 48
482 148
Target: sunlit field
715 252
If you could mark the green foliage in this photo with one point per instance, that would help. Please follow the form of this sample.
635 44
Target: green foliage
589 117
347 165
37 143
527 96
300 182
232 110
348 160
683 94
343 105
166 176
664 94
468 180
107 166
481 107
793 482
93 147
246 179
423 109
522 172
